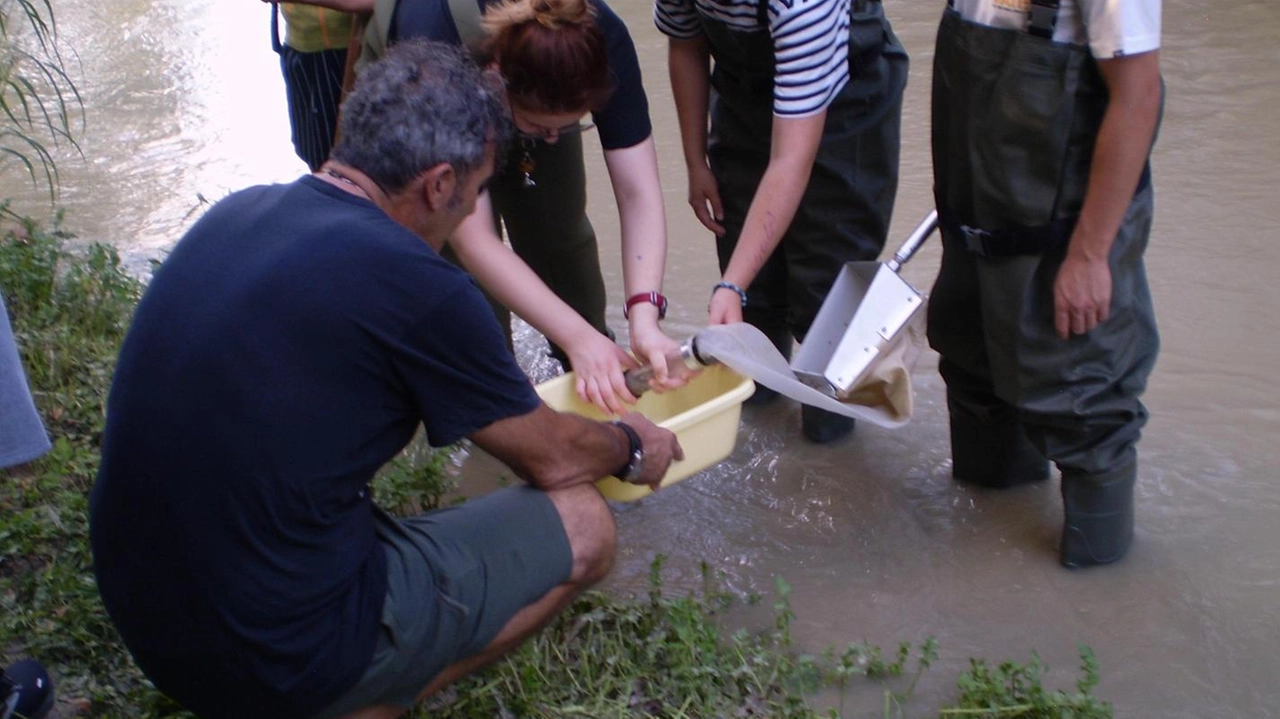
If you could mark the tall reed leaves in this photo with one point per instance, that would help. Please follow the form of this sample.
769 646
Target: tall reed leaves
40 106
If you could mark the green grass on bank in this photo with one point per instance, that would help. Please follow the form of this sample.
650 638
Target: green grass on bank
657 655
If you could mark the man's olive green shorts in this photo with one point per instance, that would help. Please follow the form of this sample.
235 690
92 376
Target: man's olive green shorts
455 577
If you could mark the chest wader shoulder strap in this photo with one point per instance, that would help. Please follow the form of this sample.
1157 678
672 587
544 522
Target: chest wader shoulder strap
1043 14
1044 17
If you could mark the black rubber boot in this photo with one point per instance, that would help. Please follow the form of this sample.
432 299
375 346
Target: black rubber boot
1098 524
781 338
822 427
993 451
26 687
762 396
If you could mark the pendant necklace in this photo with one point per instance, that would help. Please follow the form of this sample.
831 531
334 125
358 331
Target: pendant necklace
340 177
526 164
346 180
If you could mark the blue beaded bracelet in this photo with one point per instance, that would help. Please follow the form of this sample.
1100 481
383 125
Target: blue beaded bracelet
730 286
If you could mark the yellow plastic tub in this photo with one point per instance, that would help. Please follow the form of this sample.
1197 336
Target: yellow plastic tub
704 415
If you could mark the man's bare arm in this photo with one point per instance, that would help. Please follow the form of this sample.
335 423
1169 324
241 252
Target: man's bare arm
554 450
1082 289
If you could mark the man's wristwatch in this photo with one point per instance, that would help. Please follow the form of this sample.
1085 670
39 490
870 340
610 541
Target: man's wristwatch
634 465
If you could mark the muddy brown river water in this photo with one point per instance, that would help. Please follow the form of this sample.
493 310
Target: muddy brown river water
184 104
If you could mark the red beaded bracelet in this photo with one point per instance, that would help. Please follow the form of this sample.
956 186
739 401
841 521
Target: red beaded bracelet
654 298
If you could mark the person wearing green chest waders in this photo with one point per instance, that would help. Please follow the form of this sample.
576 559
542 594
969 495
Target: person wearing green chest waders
560 59
1044 115
798 172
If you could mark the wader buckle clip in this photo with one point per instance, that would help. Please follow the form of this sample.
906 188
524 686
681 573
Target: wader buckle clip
1044 16
981 242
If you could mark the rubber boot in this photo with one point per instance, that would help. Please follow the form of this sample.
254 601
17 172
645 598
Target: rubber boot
1098 524
781 339
822 427
993 451
26 690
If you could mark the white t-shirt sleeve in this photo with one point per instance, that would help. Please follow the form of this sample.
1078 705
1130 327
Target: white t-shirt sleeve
1121 27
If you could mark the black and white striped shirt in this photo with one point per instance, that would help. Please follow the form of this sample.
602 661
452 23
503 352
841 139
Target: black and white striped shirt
810 43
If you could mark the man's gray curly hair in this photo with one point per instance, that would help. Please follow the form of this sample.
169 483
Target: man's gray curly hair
421 104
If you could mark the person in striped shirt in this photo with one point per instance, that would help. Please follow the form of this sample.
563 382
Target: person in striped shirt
798 171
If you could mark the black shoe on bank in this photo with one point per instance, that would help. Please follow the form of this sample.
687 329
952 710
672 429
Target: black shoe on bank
26 691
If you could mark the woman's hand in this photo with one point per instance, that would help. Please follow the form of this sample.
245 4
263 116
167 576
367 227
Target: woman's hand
652 346
598 362
725 307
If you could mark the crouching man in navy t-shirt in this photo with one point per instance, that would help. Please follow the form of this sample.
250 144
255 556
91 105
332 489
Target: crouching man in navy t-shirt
289 347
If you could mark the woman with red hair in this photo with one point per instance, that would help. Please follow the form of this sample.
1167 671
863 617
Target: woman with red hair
561 59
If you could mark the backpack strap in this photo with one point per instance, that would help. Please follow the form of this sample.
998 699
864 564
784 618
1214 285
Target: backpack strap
376 32
355 50
466 18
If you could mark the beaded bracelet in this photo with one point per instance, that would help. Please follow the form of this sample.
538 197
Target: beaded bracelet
730 286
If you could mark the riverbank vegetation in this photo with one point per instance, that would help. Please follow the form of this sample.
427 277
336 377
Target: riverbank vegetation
659 655
40 107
